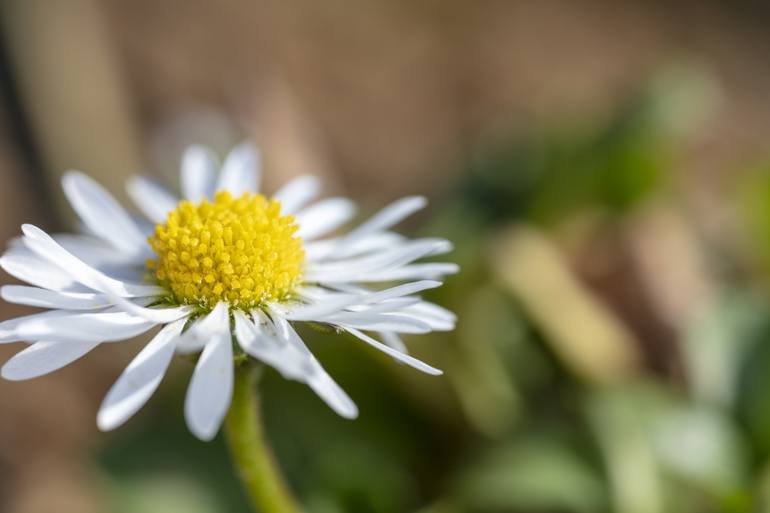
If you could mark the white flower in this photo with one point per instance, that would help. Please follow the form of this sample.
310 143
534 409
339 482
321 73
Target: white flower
225 264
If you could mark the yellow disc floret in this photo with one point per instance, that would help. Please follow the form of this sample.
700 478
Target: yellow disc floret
239 250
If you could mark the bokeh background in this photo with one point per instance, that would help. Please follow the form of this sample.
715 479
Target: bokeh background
602 166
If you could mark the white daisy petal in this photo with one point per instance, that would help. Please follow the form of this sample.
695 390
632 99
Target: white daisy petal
241 171
211 387
100 255
43 357
336 248
199 168
156 314
319 310
321 303
160 315
312 293
101 213
387 217
24 265
324 217
322 384
96 252
393 340
353 268
321 249
295 194
278 315
152 199
291 358
145 225
196 337
347 288
369 243
408 272
263 342
140 379
404 358
331 393
74 326
439 312
402 290
437 317
8 327
379 322
42 244
43 298
395 305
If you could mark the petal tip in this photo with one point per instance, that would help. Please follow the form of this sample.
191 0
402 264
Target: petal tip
202 433
133 181
348 411
10 372
105 421
71 176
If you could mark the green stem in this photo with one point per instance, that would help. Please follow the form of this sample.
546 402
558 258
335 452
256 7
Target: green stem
253 459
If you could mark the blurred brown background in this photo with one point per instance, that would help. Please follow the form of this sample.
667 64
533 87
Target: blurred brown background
383 98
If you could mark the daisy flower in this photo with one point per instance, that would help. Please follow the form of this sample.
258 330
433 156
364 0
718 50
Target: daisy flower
226 273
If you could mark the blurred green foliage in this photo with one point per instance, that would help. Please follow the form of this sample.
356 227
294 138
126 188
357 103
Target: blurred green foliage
548 175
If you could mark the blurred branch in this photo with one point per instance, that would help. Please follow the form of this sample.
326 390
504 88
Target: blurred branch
71 89
671 264
588 338
634 475
477 370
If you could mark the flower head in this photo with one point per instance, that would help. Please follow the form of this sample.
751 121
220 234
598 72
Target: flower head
238 250
224 271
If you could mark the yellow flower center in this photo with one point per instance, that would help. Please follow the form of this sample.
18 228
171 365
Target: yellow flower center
239 250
